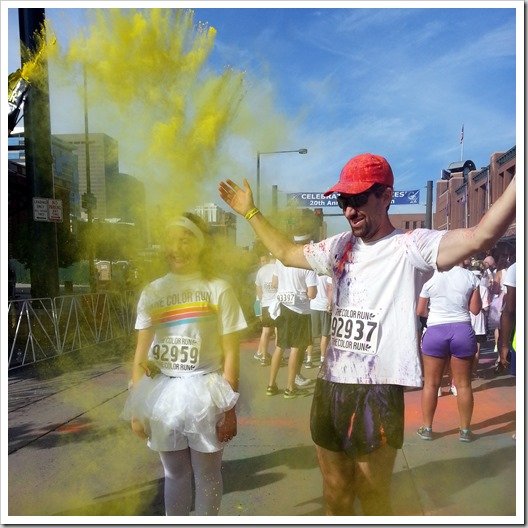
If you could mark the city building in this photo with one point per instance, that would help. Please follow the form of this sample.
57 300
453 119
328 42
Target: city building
120 197
65 189
407 221
104 162
126 202
219 221
119 219
465 193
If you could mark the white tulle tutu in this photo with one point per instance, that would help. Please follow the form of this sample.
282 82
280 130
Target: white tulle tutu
189 405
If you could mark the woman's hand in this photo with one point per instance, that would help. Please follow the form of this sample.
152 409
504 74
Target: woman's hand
226 428
138 429
240 200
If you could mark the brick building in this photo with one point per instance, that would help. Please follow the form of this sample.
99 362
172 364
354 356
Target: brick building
465 193
407 220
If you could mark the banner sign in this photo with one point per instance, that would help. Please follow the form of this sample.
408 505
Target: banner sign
314 199
307 199
406 197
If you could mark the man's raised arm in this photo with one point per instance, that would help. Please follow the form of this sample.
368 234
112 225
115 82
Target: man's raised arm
458 244
241 201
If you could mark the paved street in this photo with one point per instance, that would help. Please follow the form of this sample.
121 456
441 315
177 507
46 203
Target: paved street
70 454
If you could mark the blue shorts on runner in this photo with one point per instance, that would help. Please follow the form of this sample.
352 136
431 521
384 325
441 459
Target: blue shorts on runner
357 419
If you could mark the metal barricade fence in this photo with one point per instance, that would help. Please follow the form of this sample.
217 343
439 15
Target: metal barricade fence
40 329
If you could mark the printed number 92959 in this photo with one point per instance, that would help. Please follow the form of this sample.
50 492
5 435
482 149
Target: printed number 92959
183 354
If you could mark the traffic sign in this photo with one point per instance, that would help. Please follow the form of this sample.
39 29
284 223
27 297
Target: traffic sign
55 210
47 210
40 209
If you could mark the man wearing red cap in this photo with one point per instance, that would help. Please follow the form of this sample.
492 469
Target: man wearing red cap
358 406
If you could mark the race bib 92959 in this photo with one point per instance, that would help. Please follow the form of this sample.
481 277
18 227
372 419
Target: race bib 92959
177 353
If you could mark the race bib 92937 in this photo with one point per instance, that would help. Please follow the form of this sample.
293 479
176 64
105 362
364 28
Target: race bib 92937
355 329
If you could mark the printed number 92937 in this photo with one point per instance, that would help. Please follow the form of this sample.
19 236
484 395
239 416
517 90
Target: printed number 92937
344 328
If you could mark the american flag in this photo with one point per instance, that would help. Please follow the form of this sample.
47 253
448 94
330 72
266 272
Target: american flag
462 134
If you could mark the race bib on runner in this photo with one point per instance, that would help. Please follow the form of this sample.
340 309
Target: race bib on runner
286 298
177 353
355 330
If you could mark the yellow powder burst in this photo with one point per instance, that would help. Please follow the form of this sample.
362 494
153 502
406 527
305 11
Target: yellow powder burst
150 88
146 72
34 61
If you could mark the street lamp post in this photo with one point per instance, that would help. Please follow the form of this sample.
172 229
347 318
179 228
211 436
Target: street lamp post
299 151
89 198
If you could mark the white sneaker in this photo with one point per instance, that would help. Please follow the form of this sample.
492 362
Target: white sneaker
439 391
301 381
453 390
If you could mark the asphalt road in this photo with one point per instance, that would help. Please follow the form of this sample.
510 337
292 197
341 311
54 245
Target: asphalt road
69 453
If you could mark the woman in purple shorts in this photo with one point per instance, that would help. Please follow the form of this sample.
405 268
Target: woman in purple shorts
451 296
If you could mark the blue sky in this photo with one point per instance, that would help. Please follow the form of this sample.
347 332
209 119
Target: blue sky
398 81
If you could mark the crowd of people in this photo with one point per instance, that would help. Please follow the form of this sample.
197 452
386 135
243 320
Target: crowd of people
295 307
346 298
456 307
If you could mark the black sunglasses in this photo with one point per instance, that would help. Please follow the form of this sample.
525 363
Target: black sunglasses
353 200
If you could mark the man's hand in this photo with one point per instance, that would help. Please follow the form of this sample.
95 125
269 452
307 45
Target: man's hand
240 200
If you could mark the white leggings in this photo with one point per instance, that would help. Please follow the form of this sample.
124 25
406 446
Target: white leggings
179 468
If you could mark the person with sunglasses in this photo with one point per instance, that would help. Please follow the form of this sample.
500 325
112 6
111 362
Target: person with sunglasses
357 415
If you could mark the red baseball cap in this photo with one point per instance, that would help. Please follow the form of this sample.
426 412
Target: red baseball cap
361 173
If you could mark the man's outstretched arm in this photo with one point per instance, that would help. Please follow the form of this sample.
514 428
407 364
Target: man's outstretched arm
458 244
241 201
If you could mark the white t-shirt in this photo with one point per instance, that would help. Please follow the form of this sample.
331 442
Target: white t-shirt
263 280
509 277
189 314
478 322
293 284
323 300
449 293
374 337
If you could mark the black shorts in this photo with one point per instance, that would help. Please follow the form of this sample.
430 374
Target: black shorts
321 323
294 329
481 338
265 318
357 419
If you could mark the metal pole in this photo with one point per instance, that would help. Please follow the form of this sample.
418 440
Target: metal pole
299 151
466 205
274 200
43 257
258 179
89 204
429 205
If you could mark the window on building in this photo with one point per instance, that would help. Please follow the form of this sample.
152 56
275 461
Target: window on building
481 199
407 224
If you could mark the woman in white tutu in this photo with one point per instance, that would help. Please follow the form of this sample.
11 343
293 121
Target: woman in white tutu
185 371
